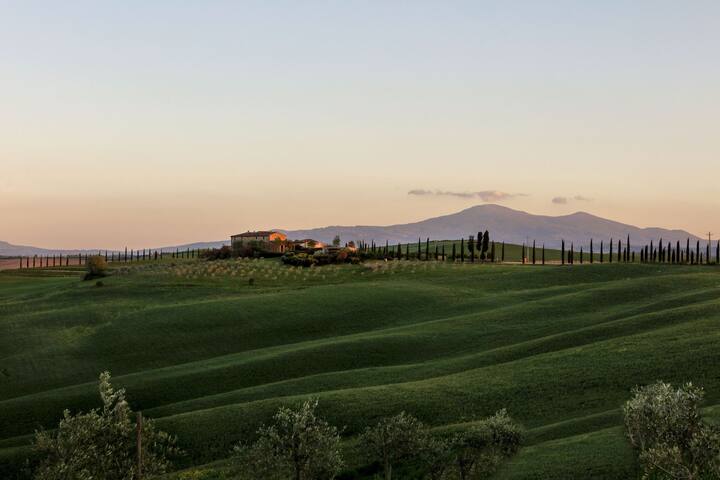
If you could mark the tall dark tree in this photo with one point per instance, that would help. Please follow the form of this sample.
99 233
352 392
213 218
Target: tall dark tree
478 246
687 251
462 250
471 248
591 251
492 251
427 249
485 245
443 252
619 258
627 252
717 253
697 252
562 253
543 254
602 253
453 252
502 257
407 251
611 251
533 253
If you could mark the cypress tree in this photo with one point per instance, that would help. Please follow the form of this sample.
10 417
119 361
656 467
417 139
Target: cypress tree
687 251
562 252
572 253
522 254
407 251
581 255
478 246
462 250
717 253
533 253
485 245
419 252
453 252
602 253
492 251
427 249
697 250
471 248
443 252
502 258
627 247
619 258
611 251
707 254
436 251
543 254
591 251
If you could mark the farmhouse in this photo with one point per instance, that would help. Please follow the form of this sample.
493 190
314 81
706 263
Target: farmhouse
269 240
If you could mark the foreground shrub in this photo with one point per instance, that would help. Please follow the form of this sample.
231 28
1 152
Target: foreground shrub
95 267
480 450
473 453
664 425
298 445
393 441
101 444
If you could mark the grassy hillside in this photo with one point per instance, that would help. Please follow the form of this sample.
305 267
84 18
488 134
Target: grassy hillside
212 357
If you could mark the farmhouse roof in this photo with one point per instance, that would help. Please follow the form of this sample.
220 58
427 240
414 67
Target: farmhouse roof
256 234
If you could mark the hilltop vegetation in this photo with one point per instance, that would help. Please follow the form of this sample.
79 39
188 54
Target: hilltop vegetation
212 356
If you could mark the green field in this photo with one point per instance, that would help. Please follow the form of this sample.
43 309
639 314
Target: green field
212 357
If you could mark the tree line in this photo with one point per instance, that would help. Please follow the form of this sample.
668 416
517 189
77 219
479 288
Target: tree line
126 256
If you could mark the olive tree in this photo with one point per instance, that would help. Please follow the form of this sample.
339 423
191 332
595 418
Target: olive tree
101 444
298 445
664 425
393 440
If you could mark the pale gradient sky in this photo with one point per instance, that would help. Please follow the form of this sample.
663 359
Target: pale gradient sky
150 123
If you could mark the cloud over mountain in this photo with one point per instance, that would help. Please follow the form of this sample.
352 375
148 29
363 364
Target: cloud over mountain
484 195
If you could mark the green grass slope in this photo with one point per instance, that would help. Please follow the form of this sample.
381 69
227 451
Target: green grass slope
212 357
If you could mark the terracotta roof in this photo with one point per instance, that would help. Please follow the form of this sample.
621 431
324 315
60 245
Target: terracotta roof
261 233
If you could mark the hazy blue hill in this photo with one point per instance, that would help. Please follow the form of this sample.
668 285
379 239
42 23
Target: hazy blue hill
506 224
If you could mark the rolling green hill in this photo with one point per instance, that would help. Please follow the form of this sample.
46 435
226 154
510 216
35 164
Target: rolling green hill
212 357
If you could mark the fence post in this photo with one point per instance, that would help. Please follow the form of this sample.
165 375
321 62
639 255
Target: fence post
139 444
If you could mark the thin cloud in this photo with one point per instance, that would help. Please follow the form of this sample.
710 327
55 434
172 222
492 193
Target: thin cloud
484 195
566 200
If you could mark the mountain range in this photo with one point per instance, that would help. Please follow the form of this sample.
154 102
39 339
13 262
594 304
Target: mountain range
504 224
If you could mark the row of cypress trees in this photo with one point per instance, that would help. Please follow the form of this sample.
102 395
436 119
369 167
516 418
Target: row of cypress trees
483 249
46 261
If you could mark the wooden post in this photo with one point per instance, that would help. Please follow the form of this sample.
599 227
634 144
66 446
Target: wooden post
139 444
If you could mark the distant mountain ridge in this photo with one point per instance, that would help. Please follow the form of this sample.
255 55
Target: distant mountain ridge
504 224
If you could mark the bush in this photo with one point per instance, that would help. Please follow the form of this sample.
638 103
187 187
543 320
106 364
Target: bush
222 253
101 444
298 259
95 267
299 445
664 424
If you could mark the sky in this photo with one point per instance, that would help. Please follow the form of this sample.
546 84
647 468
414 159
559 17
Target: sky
142 124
